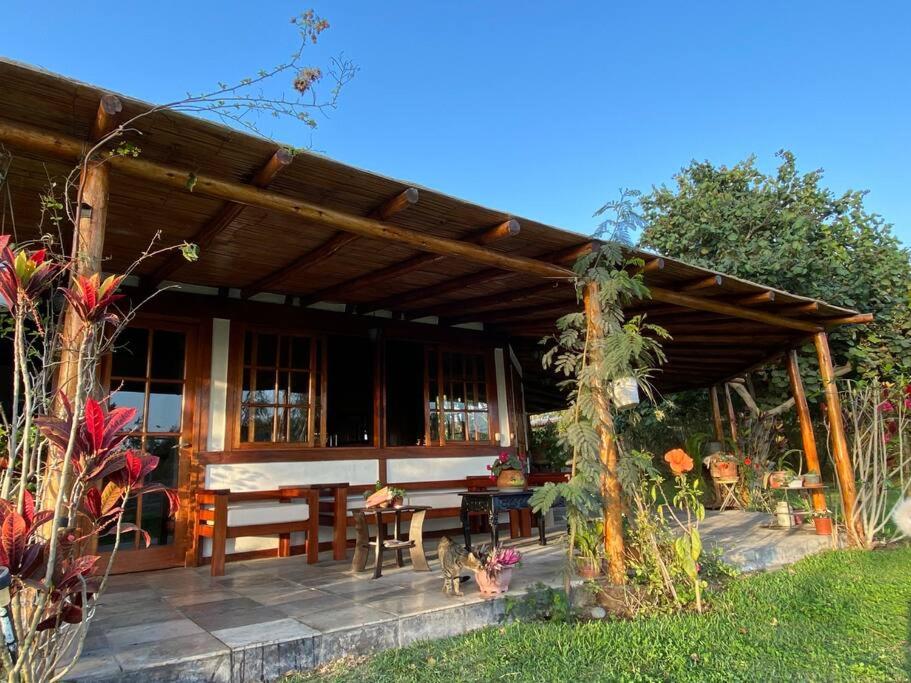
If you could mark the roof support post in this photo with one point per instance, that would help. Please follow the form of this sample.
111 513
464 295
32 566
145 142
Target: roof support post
610 481
838 439
732 418
806 425
716 415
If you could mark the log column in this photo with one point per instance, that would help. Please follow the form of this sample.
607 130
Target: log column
838 439
806 426
610 482
716 415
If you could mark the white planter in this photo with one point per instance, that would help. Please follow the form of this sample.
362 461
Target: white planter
625 393
783 514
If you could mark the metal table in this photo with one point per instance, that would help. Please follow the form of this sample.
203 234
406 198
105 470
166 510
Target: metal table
414 544
493 503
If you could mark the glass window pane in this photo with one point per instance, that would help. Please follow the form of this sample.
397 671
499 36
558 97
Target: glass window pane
262 423
482 397
165 402
167 450
130 395
167 354
244 423
455 427
298 419
434 426
284 352
480 427
300 353
130 353
299 384
248 348
266 350
156 521
265 387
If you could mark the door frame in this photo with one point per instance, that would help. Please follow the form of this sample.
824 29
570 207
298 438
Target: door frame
193 429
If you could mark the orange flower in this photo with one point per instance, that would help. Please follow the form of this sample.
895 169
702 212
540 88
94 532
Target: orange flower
679 461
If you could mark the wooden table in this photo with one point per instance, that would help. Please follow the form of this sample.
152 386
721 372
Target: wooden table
414 544
493 503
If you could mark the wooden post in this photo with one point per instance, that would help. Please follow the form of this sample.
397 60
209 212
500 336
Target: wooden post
610 482
732 418
716 415
806 426
839 440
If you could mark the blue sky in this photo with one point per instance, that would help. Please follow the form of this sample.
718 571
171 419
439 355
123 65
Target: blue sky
541 109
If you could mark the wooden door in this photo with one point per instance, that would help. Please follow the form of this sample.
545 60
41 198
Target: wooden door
152 369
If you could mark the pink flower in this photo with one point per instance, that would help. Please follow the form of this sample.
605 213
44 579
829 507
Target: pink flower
489 467
492 478
886 407
504 456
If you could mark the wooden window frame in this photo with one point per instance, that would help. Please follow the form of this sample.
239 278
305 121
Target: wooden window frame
236 369
490 381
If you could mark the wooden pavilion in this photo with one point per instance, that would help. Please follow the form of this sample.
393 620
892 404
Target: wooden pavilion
340 325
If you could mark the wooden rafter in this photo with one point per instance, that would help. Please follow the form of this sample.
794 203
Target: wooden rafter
490 300
556 308
859 319
709 282
760 298
507 228
487 276
327 249
225 216
106 119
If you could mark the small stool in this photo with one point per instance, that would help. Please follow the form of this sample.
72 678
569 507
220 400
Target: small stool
728 489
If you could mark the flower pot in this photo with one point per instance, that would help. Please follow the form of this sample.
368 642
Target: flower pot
783 514
811 479
588 567
398 502
823 526
494 585
511 480
625 393
724 469
779 479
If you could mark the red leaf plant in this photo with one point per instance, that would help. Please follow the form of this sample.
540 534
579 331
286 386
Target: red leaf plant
91 297
24 274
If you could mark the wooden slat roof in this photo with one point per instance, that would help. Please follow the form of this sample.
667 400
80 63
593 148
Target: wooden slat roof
259 241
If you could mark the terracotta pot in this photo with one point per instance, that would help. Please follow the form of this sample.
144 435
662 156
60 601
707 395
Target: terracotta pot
398 502
494 585
779 479
823 525
511 479
724 469
587 567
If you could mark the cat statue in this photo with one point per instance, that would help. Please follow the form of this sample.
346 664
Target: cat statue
452 558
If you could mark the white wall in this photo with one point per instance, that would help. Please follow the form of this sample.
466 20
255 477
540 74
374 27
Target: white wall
218 392
502 401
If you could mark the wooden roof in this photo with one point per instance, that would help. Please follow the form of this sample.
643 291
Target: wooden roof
258 244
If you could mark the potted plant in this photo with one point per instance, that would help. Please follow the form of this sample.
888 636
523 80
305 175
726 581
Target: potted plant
508 471
823 523
589 543
723 465
495 572
384 496
812 479
783 476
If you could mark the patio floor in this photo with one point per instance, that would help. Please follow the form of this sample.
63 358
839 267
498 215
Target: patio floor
267 617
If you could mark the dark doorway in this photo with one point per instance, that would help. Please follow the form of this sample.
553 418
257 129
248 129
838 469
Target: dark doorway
349 392
404 393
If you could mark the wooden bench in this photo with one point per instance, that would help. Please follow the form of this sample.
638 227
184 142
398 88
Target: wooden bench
223 515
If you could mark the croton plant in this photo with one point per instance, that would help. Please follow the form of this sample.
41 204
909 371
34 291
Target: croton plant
65 474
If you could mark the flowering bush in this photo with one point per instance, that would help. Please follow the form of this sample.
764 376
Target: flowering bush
507 461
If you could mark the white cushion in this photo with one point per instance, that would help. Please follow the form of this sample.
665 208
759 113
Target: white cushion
267 513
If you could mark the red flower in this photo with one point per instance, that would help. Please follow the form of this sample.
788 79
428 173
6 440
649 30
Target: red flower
679 461
504 456
747 461
886 407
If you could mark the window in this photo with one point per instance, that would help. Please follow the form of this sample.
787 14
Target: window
457 397
281 391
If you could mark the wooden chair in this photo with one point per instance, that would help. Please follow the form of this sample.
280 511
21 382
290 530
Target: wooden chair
222 516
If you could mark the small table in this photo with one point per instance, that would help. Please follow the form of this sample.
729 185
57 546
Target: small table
414 544
493 503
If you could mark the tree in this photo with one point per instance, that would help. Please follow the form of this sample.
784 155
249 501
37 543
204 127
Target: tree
789 231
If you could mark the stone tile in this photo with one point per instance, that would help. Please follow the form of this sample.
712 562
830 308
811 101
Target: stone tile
194 650
93 666
271 662
449 622
120 638
140 614
186 599
342 618
275 592
229 613
309 603
417 603
359 640
367 590
267 633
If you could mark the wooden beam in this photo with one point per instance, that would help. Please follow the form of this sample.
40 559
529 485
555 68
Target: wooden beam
859 319
807 437
537 311
838 438
760 298
796 309
225 216
716 415
337 292
106 118
37 140
334 244
397 301
746 339
703 283
703 304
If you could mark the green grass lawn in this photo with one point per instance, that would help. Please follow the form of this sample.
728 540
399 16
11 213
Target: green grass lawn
840 616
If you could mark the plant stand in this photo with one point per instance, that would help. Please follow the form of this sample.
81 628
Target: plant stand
414 544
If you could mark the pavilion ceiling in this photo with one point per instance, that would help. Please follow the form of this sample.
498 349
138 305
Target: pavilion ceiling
721 325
